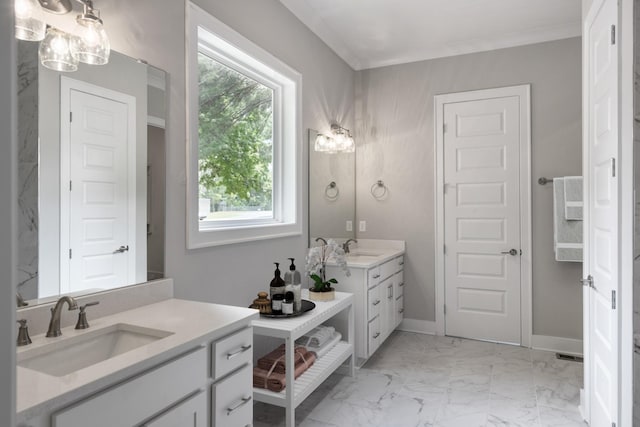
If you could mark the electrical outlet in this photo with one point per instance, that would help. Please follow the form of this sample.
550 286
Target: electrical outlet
349 225
363 226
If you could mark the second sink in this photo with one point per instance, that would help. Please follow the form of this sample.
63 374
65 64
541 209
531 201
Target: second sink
72 354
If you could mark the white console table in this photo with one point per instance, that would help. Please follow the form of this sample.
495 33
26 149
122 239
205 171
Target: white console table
293 328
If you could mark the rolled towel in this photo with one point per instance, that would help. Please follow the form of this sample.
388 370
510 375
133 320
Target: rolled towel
274 381
275 360
317 337
327 346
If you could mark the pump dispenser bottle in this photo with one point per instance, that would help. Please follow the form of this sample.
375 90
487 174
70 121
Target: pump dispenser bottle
293 283
277 284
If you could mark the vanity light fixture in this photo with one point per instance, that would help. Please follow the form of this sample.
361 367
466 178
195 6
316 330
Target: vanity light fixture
340 141
30 25
61 51
90 44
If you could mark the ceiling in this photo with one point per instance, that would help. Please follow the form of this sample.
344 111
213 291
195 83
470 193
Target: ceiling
376 33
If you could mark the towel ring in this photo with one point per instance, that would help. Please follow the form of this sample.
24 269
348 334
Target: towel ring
331 192
376 192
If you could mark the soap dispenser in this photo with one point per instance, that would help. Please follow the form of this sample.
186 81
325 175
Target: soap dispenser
293 283
277 284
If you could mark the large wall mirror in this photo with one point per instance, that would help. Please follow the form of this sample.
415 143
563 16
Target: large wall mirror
332 185
91 176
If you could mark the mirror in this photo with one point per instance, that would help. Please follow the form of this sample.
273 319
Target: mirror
332 202
91 176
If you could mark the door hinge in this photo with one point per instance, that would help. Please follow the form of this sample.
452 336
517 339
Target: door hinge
70 116
613 167
613 34
444 127
70 253
445 309
613 300
70 185
444 249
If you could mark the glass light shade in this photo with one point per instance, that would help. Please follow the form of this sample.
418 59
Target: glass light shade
55 53
350 145
30 23
321 143
91 44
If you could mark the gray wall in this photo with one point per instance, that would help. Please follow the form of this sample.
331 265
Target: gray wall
8 213
395 143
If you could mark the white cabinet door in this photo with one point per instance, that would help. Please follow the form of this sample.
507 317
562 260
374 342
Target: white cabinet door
399 310
387 315
190 413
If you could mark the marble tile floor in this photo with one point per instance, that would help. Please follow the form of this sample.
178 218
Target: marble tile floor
427 381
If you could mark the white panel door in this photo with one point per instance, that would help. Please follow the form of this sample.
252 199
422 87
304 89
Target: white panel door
482 219
602 226
99 198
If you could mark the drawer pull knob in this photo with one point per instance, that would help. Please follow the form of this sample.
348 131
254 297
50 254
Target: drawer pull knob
376 302
240 404
402 263
401 284
376 335
238 352
377 276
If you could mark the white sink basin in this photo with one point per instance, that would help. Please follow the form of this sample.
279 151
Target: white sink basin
68 355
363 254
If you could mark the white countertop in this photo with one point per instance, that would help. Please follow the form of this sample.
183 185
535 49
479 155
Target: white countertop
369 252
190 323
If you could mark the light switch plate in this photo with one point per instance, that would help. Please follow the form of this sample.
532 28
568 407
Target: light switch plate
363 226
349 225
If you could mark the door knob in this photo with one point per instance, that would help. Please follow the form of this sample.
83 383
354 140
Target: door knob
121 249
512 252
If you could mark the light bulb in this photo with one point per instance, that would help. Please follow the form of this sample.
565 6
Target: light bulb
30 25
91 44
55 52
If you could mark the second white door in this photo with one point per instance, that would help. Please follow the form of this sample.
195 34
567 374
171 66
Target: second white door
482 219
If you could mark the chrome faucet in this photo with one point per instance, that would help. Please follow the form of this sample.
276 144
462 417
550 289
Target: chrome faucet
345 245
323 240
54 324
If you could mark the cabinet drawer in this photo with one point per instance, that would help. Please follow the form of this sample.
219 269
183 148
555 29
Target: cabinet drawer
190 413
230 353
398 284
373 302
232 400
375 335
399 263
138 399
373 276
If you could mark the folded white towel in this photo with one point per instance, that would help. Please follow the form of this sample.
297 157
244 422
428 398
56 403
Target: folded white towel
316 337
327 346
567 235
573 196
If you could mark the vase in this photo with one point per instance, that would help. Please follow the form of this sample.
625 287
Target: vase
322 296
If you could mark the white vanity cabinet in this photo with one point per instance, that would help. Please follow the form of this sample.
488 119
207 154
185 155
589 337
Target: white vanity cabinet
202 379
378 300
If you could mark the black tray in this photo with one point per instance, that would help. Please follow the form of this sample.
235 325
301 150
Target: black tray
306 306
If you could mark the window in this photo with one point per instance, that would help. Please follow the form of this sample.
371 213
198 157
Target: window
244 159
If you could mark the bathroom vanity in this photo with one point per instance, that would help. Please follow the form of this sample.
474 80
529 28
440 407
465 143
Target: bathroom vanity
377 282
172 363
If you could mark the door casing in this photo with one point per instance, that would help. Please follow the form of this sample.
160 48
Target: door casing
523 92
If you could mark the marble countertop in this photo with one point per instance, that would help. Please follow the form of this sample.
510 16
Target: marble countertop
190 323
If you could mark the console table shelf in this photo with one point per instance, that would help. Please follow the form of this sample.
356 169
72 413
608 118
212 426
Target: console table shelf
292 329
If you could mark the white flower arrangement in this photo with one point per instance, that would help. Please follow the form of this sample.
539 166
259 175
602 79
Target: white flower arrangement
316 263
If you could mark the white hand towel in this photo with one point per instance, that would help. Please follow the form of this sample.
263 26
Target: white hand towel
567 235
573 204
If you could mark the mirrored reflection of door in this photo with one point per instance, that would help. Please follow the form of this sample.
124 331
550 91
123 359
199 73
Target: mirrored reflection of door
100 243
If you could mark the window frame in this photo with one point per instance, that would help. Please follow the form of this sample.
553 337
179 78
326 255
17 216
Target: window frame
210 36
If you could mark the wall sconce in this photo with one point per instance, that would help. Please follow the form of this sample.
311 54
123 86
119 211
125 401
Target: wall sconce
60 51
340 141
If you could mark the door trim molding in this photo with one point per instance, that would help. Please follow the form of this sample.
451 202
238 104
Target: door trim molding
523 92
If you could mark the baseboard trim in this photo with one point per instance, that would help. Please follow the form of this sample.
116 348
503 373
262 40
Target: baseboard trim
557 344
427 327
